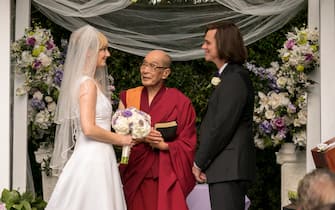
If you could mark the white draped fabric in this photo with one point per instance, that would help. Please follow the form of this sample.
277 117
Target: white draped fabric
177 29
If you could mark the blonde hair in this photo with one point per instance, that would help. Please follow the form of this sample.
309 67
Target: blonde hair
103 41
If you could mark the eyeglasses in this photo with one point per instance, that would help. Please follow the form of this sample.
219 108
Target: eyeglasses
152 66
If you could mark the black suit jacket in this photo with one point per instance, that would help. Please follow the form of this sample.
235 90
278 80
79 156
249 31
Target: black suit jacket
226 151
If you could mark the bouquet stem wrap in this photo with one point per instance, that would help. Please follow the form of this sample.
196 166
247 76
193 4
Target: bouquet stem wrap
125 154
131 121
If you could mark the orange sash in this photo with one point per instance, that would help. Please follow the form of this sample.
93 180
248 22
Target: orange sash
133 97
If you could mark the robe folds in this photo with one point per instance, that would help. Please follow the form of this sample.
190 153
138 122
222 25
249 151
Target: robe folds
161 180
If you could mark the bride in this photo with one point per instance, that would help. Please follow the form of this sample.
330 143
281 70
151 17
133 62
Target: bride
90 178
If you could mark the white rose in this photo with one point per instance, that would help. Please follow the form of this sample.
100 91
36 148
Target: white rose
121 125
140 129
300 138
26 58
274 68
48 99
283 99
322 147
257 119
20 91
39 35
276 139
274 100
258 110
263 101
281 81
259 143
45 60
302 118
52 107
42 119
38 95
312 35
269 114
215 81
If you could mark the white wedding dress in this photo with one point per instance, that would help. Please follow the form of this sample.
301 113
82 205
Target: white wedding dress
90 179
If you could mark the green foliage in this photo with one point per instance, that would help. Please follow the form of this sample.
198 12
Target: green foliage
14 200
193 79
46 166
265 191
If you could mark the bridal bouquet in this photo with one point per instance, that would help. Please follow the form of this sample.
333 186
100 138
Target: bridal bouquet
131 121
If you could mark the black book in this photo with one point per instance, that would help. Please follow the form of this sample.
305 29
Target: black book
167 129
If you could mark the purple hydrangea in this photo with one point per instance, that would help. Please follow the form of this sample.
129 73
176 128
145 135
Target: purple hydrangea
37 104
58 77
258 71
282 133
265 127
292 108
263 74
273 83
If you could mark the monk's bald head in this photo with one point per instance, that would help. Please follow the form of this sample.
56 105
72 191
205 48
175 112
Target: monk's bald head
159 56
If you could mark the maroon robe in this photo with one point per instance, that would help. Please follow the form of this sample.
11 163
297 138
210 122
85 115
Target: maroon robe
161 180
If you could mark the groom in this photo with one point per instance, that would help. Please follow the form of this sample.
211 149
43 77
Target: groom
226 155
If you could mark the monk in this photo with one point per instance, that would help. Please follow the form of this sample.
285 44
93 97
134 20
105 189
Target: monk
159 175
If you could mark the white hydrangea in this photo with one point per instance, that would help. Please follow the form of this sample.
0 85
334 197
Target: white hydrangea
300 138
42 119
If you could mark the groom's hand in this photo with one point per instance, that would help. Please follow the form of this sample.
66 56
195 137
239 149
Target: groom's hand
198 175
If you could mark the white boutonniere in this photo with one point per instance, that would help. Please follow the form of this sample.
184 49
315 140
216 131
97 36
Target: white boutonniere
215 81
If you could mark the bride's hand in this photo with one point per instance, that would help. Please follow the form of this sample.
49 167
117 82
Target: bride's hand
126 140
137 141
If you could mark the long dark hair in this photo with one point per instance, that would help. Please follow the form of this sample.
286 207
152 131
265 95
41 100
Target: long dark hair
229 42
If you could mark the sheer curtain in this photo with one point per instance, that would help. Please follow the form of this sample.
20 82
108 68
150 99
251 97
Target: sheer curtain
177 29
